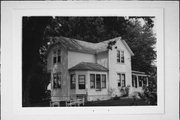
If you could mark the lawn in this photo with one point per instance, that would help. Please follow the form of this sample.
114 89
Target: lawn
119 102
112 102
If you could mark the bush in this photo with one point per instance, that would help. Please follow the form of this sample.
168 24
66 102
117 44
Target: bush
116 98
125 91
150 94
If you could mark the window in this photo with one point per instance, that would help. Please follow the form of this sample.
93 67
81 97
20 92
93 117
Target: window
92 80
103 81
81 81
57 80
98 81
120 56
73 81
121 80
54 59
57 56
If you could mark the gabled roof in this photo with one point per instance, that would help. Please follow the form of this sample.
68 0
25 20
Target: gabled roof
86 47
89 66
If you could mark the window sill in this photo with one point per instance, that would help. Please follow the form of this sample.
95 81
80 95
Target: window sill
120 63
98 89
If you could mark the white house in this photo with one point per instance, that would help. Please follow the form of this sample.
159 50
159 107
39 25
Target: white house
90 70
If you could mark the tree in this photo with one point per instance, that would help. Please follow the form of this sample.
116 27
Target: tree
33 29
141 40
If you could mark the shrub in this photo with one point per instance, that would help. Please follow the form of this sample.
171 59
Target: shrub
125 91
149 95
116 98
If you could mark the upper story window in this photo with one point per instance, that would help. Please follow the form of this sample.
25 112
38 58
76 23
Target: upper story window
57 56
120 56
121 80
57 80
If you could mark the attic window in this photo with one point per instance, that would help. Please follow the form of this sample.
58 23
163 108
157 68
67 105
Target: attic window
57 56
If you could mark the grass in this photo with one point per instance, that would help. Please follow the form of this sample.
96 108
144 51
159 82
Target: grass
118 102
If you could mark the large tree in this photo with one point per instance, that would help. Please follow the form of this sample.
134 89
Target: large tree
33 31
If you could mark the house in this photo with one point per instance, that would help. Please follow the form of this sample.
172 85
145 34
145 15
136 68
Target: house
90 70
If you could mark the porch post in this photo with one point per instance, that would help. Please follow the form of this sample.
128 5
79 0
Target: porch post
147 80
137 80
142 81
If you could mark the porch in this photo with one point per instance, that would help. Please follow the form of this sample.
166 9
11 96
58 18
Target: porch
139 79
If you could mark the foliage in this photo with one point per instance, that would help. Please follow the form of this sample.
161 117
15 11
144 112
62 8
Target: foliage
127 90
111 91
116 98
150 94
141 40
111 44
124 91
33 29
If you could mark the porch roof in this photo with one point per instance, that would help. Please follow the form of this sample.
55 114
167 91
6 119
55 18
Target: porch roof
138 73
89 66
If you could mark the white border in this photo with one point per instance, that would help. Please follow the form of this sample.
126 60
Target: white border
17 27
11 93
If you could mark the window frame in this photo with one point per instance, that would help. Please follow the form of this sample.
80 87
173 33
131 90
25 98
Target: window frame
72 86
57 56
120 58
94 82
84 82
57 84
121 80
97 87
103 81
